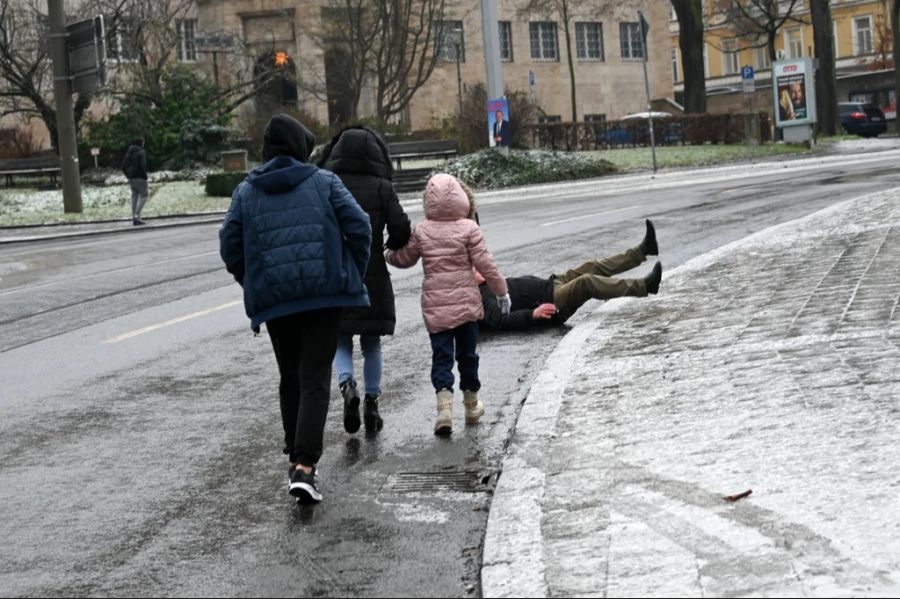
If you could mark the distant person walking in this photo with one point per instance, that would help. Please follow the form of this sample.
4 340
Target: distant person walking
361 159
298 243
135 168
451 247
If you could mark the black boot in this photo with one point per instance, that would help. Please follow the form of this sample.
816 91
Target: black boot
351 405
652 280
648 245
371 417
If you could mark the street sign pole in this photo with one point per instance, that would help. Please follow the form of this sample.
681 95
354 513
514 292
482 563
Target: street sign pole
65 116
645 28
491 32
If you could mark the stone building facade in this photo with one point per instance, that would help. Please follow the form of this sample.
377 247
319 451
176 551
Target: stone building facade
234 40
606 53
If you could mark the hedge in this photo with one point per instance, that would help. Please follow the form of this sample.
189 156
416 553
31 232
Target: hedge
489 169
694 129
223 184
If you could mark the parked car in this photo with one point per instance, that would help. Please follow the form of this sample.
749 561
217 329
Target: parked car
862 119
634 129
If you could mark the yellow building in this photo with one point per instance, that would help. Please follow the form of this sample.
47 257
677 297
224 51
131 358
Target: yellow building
863 45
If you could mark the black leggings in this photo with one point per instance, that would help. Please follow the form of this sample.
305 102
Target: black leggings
304 345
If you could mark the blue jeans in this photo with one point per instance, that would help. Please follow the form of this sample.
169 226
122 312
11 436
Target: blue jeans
371 349
459 343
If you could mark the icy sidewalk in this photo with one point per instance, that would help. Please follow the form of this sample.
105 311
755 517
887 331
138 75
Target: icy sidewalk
772 364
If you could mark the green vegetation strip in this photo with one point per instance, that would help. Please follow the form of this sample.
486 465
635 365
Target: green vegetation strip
629 159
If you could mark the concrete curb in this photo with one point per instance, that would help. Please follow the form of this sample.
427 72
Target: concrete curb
110 231
513 561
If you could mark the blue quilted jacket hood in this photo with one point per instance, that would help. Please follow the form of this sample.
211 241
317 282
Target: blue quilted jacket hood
295 240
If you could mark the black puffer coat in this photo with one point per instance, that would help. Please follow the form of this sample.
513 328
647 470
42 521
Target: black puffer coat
360 158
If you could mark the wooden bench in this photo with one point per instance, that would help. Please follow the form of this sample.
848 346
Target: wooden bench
412 150
36 165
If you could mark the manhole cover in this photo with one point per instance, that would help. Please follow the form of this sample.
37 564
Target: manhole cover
466 481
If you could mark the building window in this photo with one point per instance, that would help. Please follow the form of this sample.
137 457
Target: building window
506 48
731 58
595 118
589 40
550 118
544 44
675 64
630 40
120 43
862 35
187 48
793 42
763 60
452 42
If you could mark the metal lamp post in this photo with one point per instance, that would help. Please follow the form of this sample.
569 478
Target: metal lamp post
458 36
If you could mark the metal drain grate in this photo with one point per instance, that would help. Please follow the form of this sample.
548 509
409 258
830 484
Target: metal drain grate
466 481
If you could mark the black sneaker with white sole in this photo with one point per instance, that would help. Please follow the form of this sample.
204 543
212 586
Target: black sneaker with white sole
305 487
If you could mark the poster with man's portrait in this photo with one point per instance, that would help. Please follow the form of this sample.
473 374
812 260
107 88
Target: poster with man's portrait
498 123
792 97
795 92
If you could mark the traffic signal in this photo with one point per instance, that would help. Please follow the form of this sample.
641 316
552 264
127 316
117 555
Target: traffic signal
281 58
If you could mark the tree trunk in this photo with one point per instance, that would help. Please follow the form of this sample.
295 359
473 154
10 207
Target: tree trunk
826 82
567 29
690 42
895 24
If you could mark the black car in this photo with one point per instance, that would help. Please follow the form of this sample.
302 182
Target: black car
862 119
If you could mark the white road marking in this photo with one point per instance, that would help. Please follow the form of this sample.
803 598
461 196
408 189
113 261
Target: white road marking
583 216
167 323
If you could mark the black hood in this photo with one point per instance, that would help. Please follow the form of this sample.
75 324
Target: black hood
280 175
358 150
286 136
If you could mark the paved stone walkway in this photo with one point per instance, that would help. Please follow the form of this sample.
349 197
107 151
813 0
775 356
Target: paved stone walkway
772 364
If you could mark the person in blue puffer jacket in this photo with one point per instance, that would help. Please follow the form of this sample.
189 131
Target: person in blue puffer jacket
298 243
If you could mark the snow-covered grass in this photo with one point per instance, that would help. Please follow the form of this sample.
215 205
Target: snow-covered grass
685 156
20 206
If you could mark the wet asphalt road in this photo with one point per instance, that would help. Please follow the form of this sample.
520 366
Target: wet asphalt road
139 429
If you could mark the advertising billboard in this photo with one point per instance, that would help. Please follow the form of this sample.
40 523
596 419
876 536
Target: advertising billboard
795 92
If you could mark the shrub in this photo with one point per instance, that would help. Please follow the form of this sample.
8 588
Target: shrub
489 169
188 123
223 184
471 128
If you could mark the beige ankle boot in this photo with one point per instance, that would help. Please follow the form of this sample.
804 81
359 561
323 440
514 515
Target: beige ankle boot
474 407
444 424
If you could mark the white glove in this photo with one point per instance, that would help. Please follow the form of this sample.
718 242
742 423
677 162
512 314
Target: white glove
505 303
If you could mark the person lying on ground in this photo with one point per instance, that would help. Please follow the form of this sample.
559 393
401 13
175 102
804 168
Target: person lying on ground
551 301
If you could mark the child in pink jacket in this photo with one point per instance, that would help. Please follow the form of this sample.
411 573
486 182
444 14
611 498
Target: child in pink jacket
452 247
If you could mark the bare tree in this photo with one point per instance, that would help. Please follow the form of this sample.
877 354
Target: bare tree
391 45
348 37
826 82
759 20
26 77
895 26
143 38
690 42
567 11
884 42
409 37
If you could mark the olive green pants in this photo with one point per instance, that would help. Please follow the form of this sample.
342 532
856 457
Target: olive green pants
594 280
